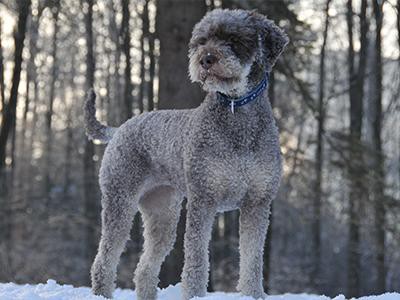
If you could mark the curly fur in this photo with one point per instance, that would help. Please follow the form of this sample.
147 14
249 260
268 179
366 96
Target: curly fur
220 161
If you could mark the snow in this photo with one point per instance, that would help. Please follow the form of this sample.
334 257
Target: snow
53 291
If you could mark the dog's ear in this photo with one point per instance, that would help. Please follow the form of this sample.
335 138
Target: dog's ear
273 40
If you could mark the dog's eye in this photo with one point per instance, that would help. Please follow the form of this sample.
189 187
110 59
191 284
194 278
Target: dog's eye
233 40
202 41
238 48
241 50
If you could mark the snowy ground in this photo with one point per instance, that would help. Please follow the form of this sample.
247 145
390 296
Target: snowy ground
53 291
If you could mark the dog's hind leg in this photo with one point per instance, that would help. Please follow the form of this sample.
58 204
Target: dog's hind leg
119 185
117 215
160 210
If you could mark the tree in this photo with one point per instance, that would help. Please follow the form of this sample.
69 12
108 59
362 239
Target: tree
147 86
316 222
69 132
152 71
49 113
398 26
2 87
126 45
356 78
174 29
8 120
378 182
145 33
10 109
31 70
116 114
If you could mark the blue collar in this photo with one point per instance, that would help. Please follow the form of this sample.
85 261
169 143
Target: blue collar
249 97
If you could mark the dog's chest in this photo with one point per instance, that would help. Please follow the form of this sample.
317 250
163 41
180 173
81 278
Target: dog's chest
236 179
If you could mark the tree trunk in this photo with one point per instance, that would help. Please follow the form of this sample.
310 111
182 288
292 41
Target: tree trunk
126 40
2 86
116 111
353 264
152 71
31 72
143 38
10 109
12 156
49 113
317 203
7 124
356 167
174 28
142 75
26 109
108 105
69 133
147 87
35 105
398 27
378 160
90 186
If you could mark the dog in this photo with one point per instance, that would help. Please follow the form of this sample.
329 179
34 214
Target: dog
221 156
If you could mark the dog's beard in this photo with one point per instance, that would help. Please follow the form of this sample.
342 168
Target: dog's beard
228 76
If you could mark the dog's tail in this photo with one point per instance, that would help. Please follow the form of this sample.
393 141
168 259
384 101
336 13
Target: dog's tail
94 129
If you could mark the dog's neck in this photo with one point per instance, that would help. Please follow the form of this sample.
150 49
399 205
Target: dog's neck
245 126
249 114
252 93
258 108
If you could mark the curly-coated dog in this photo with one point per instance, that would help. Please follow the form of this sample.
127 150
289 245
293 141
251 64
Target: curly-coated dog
221 156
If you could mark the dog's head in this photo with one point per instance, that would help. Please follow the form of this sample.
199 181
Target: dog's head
232 49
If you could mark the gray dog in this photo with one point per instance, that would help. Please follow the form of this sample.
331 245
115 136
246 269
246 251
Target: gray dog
221 156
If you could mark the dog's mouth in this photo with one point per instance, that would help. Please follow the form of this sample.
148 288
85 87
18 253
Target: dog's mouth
209 75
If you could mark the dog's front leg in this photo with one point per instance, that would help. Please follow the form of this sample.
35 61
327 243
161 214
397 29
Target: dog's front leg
199 223
253 228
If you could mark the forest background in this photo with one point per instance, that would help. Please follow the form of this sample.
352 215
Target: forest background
335 92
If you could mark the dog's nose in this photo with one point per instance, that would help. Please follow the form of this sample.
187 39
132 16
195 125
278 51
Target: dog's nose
208 60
